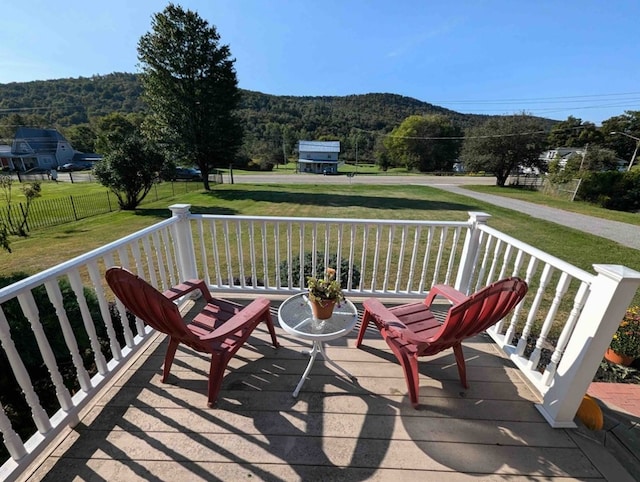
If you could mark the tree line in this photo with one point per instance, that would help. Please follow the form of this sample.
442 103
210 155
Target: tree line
185 105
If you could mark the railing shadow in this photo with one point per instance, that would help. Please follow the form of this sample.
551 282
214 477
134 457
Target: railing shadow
341 200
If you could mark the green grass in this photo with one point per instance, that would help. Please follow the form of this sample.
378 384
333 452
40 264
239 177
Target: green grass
48 247
571 206
362 168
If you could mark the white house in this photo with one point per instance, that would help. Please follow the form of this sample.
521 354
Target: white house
562 154
318 157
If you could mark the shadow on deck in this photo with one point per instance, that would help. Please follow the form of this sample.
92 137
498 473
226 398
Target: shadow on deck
141 429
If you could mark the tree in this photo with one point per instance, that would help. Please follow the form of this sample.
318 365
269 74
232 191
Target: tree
191 88
599 159
629 123
113 129
81 137
504 143
421 143
574 133
130 169
16 226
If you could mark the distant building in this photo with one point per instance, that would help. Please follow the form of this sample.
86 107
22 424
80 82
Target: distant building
318 157
41 148
561 154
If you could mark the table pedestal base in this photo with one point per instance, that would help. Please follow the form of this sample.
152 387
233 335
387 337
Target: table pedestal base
318 348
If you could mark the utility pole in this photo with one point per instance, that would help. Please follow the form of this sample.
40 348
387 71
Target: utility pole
357 154
584 155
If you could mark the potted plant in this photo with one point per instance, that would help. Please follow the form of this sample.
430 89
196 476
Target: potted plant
625 344
324 293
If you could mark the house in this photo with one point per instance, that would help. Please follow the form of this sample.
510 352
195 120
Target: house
318 157
561 154
40 148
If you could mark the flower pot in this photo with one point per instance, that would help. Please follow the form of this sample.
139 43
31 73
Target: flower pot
323 309
617 358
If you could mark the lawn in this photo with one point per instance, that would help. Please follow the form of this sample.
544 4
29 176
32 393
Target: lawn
48 247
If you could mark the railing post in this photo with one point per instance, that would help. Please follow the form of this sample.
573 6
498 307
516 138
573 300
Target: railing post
611 292
470 250
185 252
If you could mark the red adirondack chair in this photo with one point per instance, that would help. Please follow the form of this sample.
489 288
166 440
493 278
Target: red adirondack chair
411 330
220 329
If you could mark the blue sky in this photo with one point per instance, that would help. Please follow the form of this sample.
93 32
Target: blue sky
552 58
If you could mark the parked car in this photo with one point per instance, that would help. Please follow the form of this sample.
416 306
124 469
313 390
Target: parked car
70 166
187 173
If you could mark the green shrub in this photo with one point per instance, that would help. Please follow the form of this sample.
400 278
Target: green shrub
320 267
612 190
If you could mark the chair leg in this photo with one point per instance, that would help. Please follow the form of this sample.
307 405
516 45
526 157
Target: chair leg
366 317
216 374
462 368
412 376
168 358
409 363
268 319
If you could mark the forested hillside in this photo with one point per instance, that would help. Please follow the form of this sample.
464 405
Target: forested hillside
271 122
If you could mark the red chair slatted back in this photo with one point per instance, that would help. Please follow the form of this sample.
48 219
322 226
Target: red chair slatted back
148 304
477 313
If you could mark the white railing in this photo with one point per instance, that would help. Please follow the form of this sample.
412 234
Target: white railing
41 303
556 336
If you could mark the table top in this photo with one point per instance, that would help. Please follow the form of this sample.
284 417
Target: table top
296 318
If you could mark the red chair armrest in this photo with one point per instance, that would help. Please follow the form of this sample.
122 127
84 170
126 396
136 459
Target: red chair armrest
236 322
449 292
187 287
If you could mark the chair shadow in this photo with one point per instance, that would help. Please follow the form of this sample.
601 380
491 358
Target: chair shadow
261 398
489 419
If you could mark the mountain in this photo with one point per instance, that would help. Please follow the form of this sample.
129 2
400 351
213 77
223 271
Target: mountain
270 121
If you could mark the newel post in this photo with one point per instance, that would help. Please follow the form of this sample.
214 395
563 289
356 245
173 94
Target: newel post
185 252
611 293
470 250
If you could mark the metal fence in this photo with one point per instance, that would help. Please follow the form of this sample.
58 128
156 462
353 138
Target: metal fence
43 213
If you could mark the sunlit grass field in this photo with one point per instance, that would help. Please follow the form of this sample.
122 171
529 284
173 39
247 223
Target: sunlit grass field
46 247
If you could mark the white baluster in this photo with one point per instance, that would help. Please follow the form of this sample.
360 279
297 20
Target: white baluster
561 290
40 417
252 254
76 284
30 310
96 279
401 254
425 259
414 256
265 257
12 440
565 336
533 311
55 295
436 269
363 259
387 266
216 252
485 260
452 256
352 247
531 269
128 335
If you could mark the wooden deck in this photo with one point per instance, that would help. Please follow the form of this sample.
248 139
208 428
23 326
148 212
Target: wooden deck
142 429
